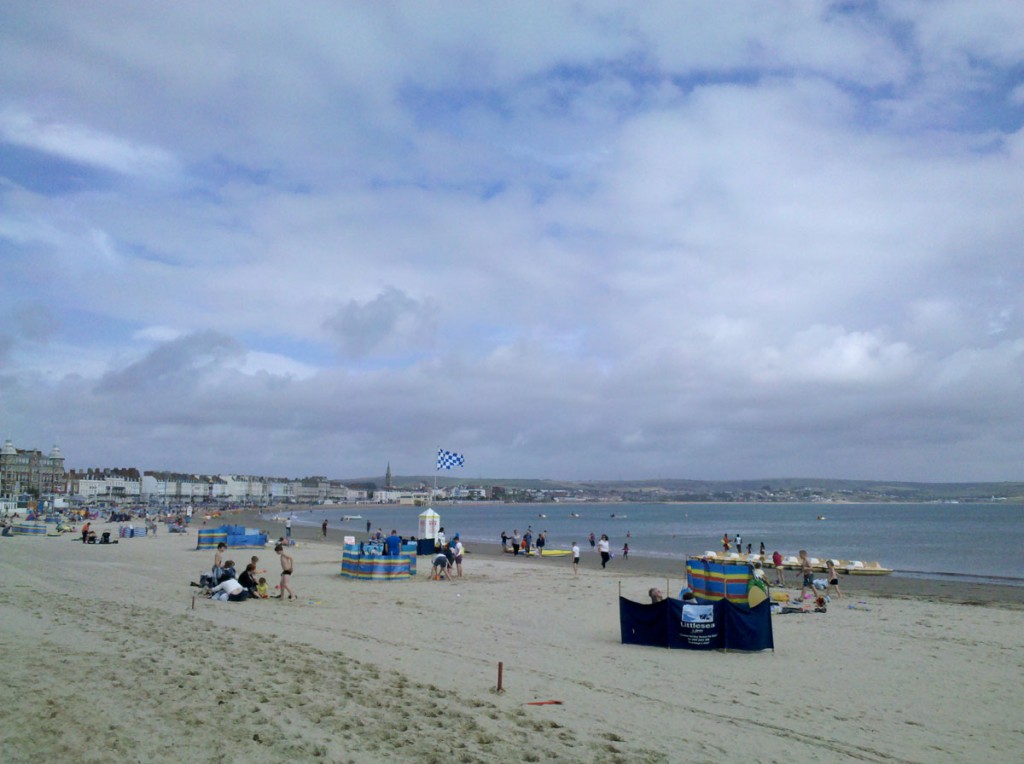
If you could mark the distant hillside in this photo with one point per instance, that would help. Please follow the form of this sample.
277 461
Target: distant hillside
698 490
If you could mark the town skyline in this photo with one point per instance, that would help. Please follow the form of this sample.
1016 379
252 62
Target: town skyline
38 473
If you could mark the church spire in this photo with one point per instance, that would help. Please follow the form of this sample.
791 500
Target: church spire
387 477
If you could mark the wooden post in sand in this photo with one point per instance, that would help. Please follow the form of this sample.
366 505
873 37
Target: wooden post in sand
501 668
193 602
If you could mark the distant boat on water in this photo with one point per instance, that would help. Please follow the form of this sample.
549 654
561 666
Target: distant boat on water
346 518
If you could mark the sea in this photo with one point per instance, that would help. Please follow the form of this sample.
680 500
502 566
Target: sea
979 542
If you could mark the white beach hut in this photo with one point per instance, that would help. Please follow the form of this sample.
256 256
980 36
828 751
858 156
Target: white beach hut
430 523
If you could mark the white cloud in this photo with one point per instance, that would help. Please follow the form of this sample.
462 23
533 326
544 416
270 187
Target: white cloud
80 143
673 240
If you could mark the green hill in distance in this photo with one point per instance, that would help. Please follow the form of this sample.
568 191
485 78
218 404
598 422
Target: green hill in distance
761 490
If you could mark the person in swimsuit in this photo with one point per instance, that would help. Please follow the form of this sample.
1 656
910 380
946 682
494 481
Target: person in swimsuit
218 563
575 559
833 578
287 568
808 575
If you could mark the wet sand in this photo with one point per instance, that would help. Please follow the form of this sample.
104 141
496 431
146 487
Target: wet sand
895 585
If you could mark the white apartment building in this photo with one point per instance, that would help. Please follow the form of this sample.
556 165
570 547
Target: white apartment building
174 487
280 490
105 484
245 489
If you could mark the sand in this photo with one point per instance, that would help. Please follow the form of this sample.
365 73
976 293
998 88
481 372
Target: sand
105 660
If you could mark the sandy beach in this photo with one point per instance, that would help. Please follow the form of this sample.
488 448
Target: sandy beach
108 658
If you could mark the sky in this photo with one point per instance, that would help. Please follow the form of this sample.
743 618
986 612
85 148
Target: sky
568 240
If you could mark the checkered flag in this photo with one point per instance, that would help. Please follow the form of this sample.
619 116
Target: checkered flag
448 459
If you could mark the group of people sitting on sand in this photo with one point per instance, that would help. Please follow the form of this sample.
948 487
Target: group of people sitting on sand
224 583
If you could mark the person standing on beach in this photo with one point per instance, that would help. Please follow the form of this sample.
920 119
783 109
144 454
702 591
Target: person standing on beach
393 544
575 559
541 541
762 549
739 543
458 550
527 540
593 541
288 526
368 526
287 568
323 528
725 543
808 575
515 542
780 577
218 562
625 551
504 541
85 532
604 547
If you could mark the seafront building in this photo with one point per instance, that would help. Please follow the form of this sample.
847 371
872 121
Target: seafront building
28 473
109 485
28 470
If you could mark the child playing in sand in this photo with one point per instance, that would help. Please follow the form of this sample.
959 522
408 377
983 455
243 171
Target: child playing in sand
262 590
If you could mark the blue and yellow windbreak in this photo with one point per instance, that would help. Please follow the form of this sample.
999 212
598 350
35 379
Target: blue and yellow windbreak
715 580
377 567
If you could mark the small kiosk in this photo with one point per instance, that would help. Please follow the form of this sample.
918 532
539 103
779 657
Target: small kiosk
430 523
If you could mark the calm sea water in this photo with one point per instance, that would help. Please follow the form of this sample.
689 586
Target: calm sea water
971 541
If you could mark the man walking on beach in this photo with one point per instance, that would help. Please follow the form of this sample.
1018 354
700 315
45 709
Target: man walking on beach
287 568
323 528
575 559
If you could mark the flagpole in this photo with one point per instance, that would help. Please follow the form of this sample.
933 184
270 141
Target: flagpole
436 455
